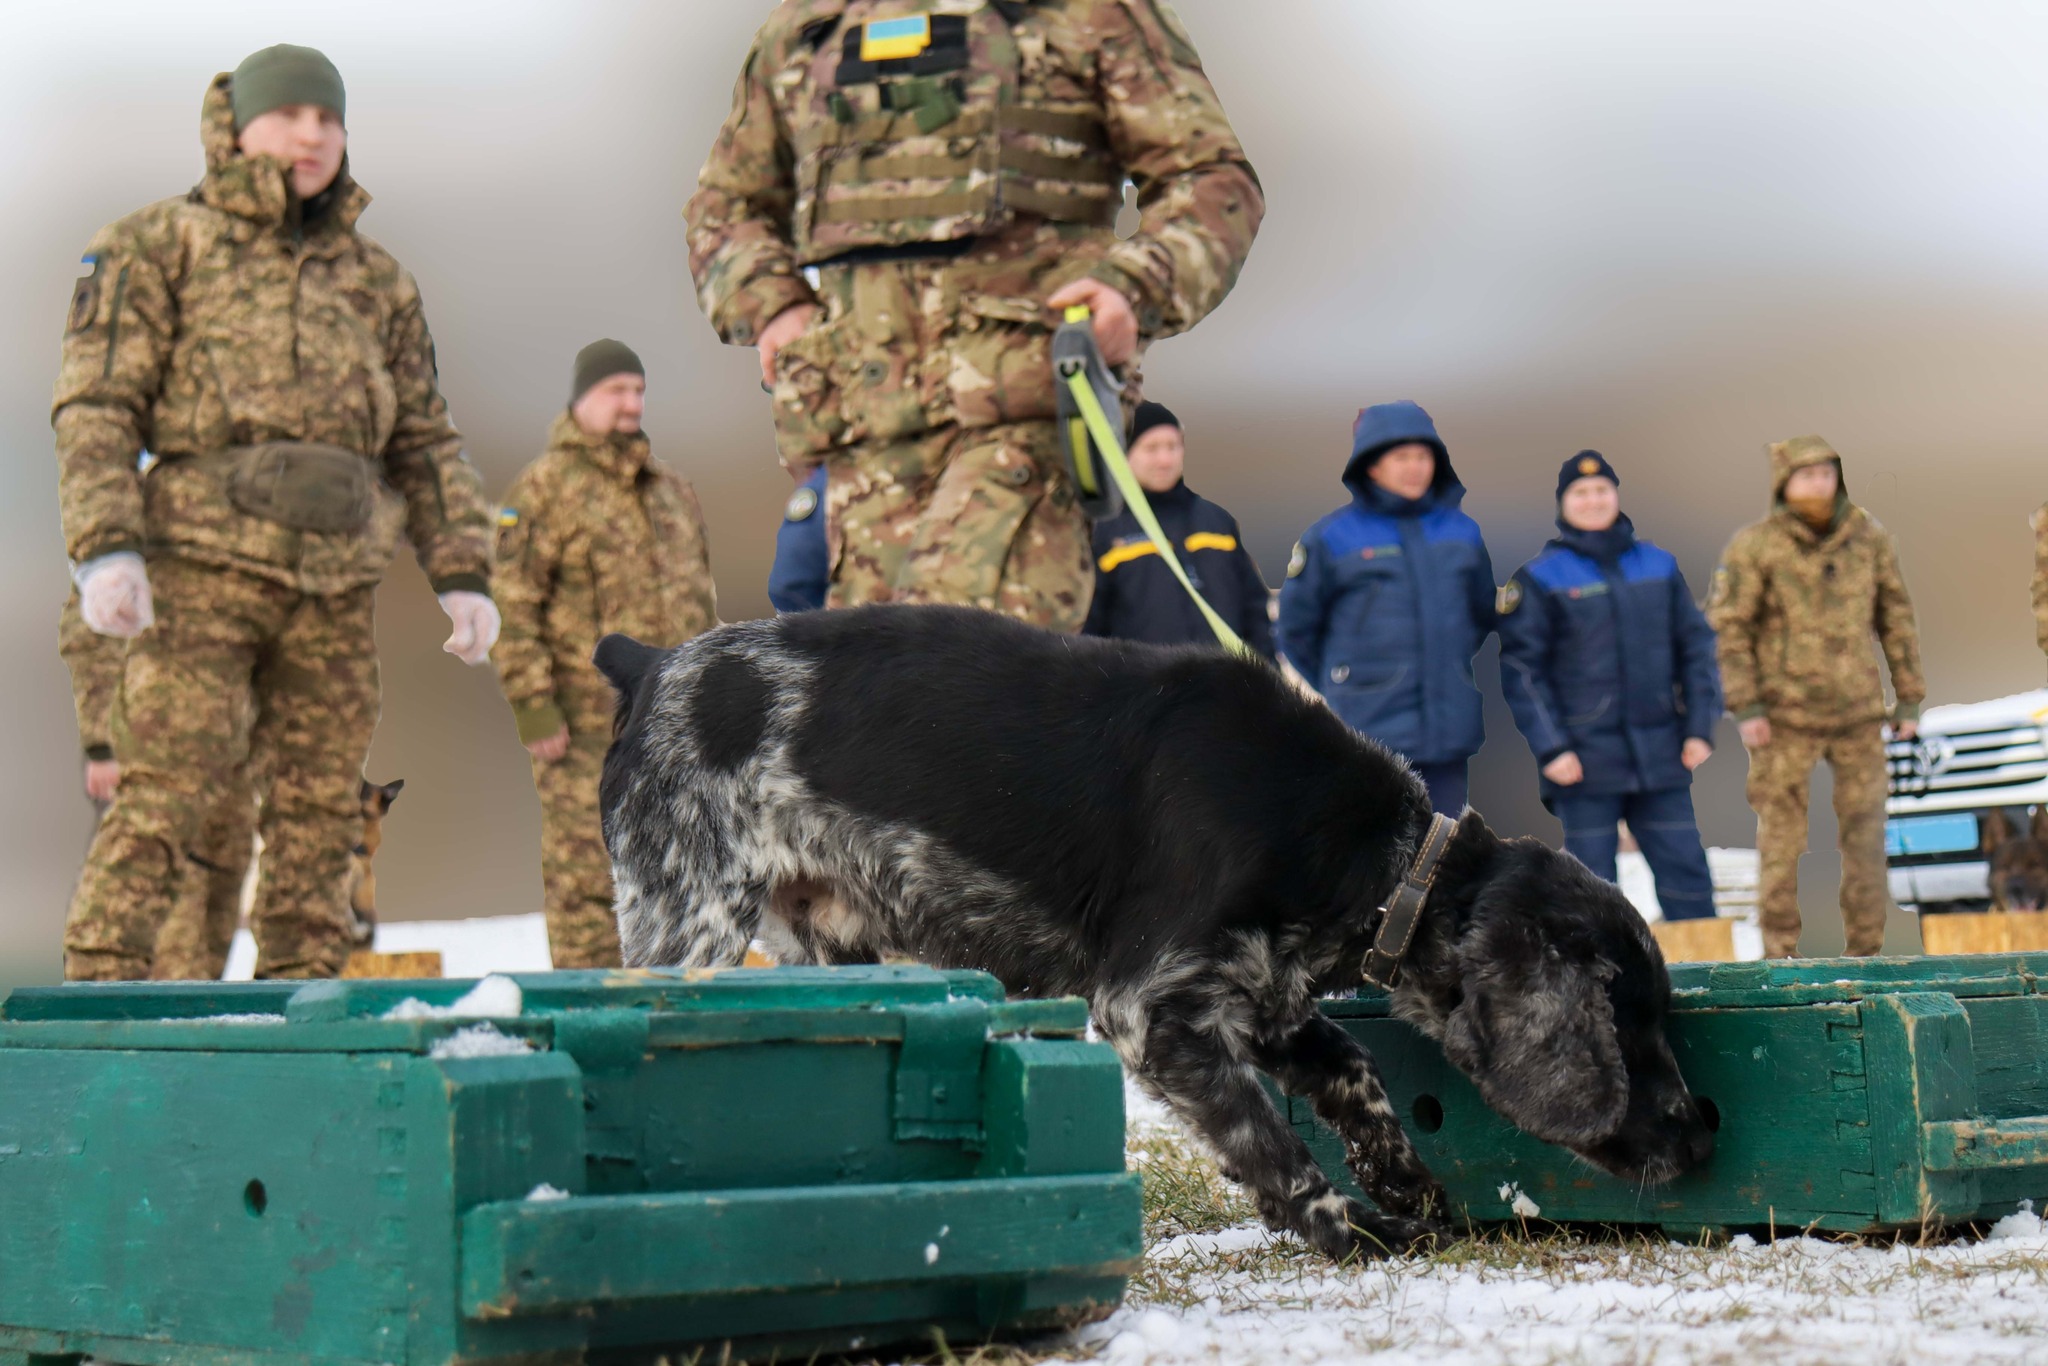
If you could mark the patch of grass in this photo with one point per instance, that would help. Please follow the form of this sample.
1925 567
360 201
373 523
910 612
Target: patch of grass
1184 1192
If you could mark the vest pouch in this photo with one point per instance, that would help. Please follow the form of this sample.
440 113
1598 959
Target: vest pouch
303 485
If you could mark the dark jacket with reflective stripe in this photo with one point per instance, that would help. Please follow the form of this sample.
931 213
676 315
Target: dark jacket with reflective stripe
1604 653
1137 597
1386 602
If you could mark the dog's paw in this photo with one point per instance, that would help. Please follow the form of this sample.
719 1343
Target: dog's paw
1415 1195
1386 1235
1340 1228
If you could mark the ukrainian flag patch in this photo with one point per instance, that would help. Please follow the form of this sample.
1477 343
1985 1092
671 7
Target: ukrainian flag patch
508 517
889 40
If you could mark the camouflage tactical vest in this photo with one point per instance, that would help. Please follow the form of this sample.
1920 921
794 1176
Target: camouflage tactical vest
915 126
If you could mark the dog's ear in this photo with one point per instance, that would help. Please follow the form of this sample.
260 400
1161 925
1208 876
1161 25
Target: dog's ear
1535 1031
626 662
389 791
1997 828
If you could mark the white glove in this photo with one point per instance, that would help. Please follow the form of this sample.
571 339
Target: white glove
476 625
113 595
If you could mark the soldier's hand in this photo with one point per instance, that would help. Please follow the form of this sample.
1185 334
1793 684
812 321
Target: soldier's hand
1694 752
114 597
1906 730
1565 770
1116 326
788 325
102 776
476 621
1756 732
552 748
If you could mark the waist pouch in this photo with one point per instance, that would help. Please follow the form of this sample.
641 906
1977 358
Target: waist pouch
303 485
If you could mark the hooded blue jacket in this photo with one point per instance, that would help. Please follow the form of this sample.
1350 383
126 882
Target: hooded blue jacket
1387 601
1603 652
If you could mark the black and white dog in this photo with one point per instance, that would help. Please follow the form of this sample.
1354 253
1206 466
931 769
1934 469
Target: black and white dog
1174 834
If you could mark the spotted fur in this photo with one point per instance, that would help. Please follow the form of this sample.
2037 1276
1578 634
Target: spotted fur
1172 833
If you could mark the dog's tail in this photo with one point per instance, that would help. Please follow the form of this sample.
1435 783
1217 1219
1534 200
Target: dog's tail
627 663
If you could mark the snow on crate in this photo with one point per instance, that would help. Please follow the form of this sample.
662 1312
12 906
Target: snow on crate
494 998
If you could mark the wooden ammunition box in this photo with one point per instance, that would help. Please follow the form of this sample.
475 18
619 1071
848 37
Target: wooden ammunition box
1849 1094
757 1163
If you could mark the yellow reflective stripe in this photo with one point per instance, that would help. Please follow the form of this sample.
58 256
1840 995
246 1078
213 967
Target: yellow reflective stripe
1124 554
1106 437
1211 540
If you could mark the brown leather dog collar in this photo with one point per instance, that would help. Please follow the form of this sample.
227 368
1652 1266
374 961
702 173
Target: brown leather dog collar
1403 911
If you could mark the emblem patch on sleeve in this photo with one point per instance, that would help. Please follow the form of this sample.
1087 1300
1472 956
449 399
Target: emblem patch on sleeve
1298 561
801 505
508 517
1508 598
85 298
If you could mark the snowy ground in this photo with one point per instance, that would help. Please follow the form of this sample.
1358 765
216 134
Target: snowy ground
1235 1294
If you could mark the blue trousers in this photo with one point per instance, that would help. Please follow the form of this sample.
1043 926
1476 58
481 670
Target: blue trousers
1664 827
1447 786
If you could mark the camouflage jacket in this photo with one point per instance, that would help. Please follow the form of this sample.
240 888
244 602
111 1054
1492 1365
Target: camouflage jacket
95 662
220 319
1795 610
1123 68
595 536
2039 521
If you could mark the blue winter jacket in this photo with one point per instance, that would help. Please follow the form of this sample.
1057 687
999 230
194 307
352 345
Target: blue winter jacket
1387 600
1604 653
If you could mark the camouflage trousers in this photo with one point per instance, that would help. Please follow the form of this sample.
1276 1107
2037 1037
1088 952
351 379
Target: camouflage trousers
194 942
979 517
1778 779
235 664
575 870
926 388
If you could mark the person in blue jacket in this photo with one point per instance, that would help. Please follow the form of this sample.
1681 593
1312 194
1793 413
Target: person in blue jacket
796 581
1387 600
1609 668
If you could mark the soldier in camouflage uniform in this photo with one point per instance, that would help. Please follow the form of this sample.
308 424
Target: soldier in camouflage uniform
1796 600
954 171
194 942
278 365
595 536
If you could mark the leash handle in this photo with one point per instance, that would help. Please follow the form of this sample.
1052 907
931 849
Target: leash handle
1106 440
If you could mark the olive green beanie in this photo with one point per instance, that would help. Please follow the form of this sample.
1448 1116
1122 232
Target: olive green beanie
599 361
282 75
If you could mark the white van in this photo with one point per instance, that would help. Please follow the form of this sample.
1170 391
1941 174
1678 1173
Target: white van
1967 760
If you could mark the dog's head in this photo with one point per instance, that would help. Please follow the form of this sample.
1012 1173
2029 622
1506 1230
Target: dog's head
376 799
2019 861
1546 988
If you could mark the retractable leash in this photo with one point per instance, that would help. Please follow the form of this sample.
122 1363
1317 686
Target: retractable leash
1085 391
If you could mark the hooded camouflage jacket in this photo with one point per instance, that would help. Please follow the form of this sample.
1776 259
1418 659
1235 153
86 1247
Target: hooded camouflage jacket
1061 103
595 536
222 319
1795 610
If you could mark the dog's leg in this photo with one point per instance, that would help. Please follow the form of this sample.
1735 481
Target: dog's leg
1318 1060
1220 1096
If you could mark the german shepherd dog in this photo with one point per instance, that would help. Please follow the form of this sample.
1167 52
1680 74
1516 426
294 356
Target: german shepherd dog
2019 862
1174 834
362 876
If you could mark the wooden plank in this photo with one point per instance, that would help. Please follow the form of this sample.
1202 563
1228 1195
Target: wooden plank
1708 939
1921 1068
1986 1145
425 963
1052 1108
542 1257
202 1036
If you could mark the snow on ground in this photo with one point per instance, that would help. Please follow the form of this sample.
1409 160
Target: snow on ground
1240 1295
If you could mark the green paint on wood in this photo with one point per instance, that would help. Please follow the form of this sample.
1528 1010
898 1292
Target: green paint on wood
178 1190
1850 1095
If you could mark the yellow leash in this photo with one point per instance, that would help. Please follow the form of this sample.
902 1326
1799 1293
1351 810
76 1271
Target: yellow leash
1095 422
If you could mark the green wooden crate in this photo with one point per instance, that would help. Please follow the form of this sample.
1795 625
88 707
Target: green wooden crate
785 1161
1849 1094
